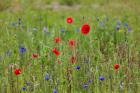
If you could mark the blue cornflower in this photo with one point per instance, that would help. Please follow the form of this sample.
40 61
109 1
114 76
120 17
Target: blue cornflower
85 85
77 30
22 50
119 22
118 27
89 81
129 29
24 88
55 91
101 78
126 24
62 30
78 67
47 77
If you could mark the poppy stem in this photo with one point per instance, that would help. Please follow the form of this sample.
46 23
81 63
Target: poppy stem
69 79
11 81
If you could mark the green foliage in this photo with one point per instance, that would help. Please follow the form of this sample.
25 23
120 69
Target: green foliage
98 47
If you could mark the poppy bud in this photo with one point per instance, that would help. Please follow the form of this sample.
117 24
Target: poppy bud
35 55
73 59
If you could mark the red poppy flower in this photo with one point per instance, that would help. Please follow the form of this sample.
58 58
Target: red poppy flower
56 52
17 71
57 40
116 66
69 20
85 29
73 59
72 42
35 55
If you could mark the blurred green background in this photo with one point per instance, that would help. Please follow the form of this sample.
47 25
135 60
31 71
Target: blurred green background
111 8
119 5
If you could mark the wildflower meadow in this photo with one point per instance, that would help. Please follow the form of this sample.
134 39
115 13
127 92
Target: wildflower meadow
69 46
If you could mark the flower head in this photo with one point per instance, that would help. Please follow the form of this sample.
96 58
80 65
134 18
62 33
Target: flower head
72 42
129 29
47 77
77 30
85 85
89 81
116 66
117 27
85 29
72 59
56 52
126 24
17 71
57 40
62 30
55 91
22 50
101 78
24 88
69 20
78 67
119 22
35 55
